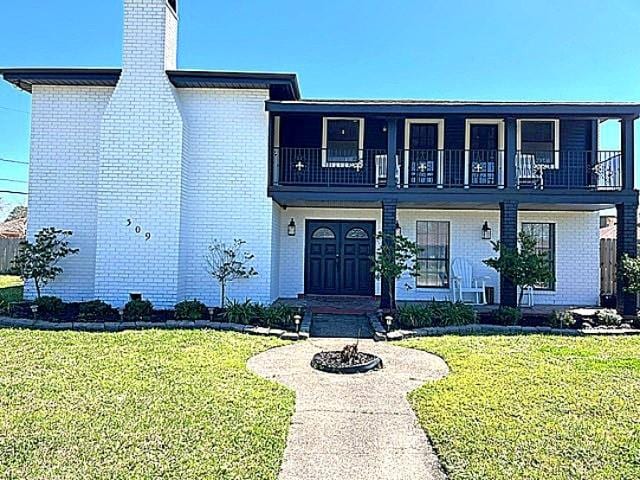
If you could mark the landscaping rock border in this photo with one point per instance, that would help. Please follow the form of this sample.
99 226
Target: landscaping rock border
9 322
395 335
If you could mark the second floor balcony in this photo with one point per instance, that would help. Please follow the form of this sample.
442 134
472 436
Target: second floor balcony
443 152
447 168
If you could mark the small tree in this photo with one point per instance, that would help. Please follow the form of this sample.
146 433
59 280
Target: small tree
228 263
395 255
38 261
629 271
524 266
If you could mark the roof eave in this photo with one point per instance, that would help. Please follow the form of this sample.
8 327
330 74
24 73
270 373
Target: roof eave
399 108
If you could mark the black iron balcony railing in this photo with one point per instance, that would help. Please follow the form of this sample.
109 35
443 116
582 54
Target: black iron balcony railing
594 170
329 167
450 168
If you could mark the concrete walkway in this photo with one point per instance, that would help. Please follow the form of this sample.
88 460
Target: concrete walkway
340 326
354 426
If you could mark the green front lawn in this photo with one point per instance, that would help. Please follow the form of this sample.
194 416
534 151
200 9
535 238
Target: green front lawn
153 404
534 407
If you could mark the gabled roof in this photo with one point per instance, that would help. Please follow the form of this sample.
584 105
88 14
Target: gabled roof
282 86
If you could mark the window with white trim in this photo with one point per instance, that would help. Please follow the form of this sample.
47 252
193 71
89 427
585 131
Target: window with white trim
432 238
342 141
540 138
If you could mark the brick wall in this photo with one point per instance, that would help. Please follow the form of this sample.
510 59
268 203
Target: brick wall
225 182
63 180
141 155
577 269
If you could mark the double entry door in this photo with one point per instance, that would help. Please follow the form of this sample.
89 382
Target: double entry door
338 257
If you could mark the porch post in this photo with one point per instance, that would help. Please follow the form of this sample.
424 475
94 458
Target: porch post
510 146
392 141
508 238
626 142
389 219
626 242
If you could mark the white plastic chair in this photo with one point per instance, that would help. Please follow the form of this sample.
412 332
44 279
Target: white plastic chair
527 297
381 169
529 173
464 283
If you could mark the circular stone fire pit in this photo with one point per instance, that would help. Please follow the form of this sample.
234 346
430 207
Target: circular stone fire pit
346 361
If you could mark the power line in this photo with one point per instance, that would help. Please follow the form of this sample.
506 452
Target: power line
13 193
14 110
12 180
8 160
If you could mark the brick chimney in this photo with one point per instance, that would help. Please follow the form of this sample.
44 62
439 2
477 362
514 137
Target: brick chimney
150 35
141 155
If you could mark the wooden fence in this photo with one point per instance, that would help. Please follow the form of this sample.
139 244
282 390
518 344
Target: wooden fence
607 266
8 251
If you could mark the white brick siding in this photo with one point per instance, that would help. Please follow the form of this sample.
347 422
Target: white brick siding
577 269
465 237
140 167
63 177
292 248
225 188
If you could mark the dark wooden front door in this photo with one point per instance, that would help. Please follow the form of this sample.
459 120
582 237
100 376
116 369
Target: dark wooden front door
338 257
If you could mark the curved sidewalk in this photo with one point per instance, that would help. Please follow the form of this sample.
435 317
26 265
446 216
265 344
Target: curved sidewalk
354 425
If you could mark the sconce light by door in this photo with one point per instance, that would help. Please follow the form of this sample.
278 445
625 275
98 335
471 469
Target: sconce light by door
486 231
398 229
291 228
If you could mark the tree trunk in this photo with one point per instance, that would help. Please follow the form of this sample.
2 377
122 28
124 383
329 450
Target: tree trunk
392 294
222 294
37 284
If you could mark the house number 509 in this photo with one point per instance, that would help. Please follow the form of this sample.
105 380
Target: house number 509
138 230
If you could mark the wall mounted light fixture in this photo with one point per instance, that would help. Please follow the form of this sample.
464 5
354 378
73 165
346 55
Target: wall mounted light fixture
291 228
398 229
486 231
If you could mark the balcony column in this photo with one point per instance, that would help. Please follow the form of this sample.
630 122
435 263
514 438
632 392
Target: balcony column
508 238
626 243
510 151
389 219
626 142
275 149
392 147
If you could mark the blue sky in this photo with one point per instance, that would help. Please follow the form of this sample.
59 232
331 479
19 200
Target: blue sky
445 49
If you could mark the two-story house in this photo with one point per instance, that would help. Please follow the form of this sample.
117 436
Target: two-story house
147 164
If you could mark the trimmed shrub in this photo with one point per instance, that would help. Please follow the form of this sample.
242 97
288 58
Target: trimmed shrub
435 314
279 316
239 312
136 310
191 310
506 316
561 319
50 307
607 318
272 316
96 311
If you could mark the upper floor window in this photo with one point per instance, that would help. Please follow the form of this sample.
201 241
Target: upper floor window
433 239
174 5
541 139
342 141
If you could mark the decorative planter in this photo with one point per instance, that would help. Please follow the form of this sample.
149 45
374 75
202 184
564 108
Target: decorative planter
330 362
